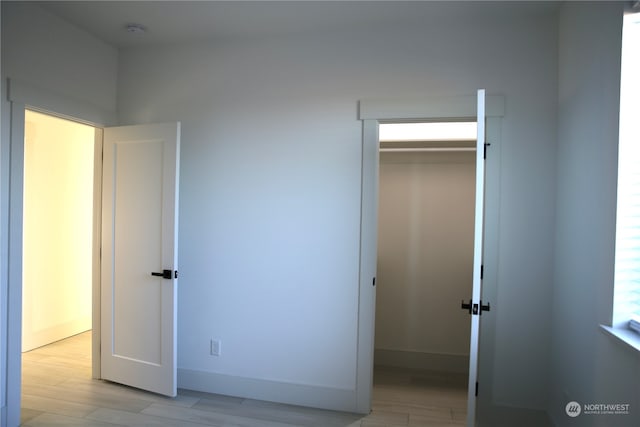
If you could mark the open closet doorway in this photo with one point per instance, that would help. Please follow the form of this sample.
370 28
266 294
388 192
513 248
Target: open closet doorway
427 178
58 242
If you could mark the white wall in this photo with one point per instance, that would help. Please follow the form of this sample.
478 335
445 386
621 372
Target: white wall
270 187
425 259
270 184
58 229
588 366
231 95
45 52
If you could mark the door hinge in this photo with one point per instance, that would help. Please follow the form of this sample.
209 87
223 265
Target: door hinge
476 388
486 144
482 272
374 281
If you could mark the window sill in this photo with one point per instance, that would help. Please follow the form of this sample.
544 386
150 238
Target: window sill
624 335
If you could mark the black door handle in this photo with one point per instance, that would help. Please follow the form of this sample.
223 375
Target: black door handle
466 306
166 274
484 307
476 309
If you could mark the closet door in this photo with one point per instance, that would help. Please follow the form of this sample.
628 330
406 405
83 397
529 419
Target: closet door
476 306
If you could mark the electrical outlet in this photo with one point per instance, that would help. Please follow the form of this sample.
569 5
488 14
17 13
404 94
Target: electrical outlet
215 347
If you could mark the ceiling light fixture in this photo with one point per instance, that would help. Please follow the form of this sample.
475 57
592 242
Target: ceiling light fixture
135 29
428 131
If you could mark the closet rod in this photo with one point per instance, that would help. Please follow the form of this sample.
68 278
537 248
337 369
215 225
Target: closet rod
425 149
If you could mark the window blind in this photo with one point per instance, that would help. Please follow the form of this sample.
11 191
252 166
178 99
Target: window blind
627 264
627 257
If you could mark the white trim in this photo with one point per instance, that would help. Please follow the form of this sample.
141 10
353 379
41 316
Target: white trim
491 260
426 149
442 107
14 266
478 246
372 112
5 149
368 264
628 337
96 363
294 394
23 96
49 102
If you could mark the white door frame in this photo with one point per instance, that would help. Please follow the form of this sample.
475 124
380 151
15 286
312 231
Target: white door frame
21 97
371 113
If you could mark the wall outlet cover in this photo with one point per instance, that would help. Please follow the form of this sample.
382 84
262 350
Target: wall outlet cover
215 347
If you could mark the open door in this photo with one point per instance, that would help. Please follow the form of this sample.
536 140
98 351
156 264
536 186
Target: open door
476 306
139 256
372 112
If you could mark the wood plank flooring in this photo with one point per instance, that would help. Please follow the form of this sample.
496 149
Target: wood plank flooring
58 391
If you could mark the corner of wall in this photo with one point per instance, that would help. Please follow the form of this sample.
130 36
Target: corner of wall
4 196
588 100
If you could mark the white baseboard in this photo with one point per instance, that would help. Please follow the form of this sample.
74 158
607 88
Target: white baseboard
503 416
423 361
32 339
274 391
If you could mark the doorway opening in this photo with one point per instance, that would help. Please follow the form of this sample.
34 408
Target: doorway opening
58 240
426 212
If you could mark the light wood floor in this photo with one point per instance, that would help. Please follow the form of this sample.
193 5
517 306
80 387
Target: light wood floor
58 391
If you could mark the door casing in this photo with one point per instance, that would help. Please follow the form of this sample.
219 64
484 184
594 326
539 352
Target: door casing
21 97
372 112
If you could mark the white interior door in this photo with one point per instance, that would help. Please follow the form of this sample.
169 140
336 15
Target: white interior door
476 306
139 256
